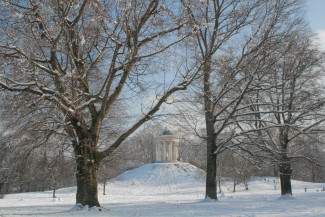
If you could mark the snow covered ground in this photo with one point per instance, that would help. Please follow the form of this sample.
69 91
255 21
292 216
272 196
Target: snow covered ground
173 190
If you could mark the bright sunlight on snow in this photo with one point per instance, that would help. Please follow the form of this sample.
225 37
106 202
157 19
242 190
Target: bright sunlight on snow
173 189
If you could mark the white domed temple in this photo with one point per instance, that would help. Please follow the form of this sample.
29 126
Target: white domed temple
166 147
160 177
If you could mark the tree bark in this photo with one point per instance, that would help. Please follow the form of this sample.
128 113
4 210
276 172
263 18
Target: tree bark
1 193
211 181
313 172
211 177
87 167
285 177
285 164
54 191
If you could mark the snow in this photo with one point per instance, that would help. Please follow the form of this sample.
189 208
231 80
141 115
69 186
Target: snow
173 189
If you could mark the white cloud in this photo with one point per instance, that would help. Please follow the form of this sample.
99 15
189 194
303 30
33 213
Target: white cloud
321 38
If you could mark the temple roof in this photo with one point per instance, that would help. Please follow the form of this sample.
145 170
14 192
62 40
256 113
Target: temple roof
166 132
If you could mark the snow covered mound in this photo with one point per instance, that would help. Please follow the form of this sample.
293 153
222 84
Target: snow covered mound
160 178
157 174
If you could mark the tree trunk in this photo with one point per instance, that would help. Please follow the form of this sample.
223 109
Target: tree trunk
285 177
211 183
211 180
1 193
275 171
104 189
313 172
211 177
1 185
87 167
54 191
234 190
87 192
246 185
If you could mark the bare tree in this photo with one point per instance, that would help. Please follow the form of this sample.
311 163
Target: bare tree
292 105
56 169
309 169
106 172
78 59
7 167
234 39
142 144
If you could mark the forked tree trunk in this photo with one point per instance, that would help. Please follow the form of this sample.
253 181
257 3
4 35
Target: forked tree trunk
285 178
87 167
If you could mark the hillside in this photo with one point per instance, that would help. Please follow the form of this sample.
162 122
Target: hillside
155 181
159 174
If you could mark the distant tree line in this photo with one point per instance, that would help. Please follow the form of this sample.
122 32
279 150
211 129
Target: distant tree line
43 171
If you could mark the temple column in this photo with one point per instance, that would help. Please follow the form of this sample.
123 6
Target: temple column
169 152
175 152
157 152
163 152
166 145
160 151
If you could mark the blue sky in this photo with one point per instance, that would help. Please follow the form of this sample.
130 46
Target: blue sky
315 15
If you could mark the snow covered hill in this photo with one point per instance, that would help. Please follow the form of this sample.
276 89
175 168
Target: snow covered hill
158 182
173 189
160 174
161 177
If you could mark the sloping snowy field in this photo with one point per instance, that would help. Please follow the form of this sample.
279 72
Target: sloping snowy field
173 190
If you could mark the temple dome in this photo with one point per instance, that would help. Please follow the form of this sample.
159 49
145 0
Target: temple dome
166 132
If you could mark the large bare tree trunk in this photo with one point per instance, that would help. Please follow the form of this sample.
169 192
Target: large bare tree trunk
211 177
87 167
285 176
